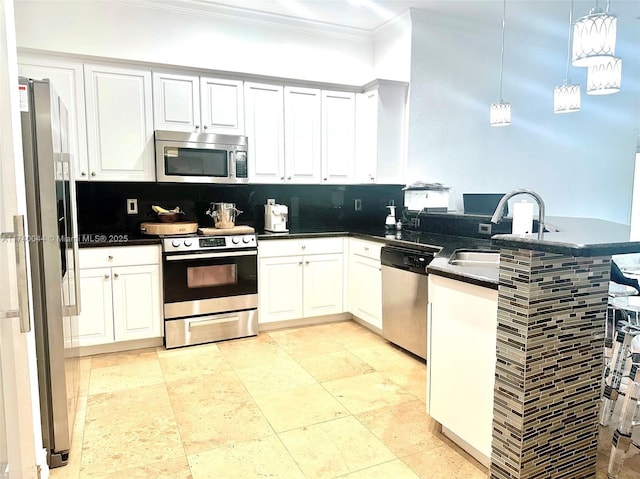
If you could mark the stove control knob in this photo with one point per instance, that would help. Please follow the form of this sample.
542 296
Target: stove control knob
187 243
175 243
246 239
235 240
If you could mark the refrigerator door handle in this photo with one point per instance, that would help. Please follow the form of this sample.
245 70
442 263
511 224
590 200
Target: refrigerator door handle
22 268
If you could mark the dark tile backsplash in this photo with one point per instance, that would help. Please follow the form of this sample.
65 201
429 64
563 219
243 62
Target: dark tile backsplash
102 205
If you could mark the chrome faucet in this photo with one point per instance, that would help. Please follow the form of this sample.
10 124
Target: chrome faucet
499 213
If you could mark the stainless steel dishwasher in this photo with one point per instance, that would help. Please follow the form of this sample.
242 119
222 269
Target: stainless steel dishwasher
404 297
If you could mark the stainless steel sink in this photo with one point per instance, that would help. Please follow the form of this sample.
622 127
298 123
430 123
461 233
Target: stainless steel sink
475 258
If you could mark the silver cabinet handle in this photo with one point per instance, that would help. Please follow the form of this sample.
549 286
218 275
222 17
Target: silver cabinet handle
93 173
299 263
205 127
306 262
304 246
84 173
115 275
110 257
197 127
22 270
106 276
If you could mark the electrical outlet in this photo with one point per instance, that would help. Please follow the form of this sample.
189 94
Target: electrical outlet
484 228
357 204
132 206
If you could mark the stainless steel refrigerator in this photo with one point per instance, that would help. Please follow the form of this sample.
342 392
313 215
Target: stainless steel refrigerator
53 252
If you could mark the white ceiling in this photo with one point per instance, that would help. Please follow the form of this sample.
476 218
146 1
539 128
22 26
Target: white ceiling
368 15
360 14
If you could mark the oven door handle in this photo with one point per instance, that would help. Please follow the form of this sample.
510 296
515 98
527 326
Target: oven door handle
181 257
210 321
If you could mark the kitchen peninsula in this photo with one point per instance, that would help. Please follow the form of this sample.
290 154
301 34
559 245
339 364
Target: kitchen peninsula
552 302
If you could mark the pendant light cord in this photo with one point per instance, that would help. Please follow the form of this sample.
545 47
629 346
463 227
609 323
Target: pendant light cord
504 8
569 43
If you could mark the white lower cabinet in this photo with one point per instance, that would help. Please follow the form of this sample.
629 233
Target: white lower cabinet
300 278
119 301
365 281
461 362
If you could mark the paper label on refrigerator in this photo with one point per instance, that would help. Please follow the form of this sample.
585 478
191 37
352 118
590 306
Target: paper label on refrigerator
23 98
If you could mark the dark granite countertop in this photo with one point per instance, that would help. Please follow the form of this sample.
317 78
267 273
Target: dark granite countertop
571 236
444 245
576 237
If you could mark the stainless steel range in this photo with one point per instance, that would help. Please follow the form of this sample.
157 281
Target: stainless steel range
210 288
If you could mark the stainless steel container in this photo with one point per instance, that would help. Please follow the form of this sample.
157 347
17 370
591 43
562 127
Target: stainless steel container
224 214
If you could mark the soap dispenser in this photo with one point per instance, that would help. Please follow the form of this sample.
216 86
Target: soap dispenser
390 222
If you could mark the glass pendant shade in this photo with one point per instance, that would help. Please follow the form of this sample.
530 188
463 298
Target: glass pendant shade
500 114
604 78
594 39
566 98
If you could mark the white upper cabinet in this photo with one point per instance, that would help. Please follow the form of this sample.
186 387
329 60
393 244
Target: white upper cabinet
198 104
264 106
176 102
67 79
366 137
338 137
381 133
302 135
222 106
119 123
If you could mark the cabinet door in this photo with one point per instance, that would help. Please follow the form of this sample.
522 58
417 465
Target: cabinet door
95 323
67 80
280 288
222 106
462 331
264 106
136 302
323 284
302 135
365 290
119 123
366 136
176 102
338 137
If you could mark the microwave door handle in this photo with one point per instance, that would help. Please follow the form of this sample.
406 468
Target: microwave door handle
232 164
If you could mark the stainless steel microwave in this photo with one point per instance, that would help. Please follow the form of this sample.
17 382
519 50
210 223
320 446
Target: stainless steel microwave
201 158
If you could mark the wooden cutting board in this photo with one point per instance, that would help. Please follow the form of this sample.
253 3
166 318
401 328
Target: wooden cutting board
177 228
236 230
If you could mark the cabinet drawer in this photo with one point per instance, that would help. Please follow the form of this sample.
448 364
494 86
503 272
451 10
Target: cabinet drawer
119 256
367 249
303 246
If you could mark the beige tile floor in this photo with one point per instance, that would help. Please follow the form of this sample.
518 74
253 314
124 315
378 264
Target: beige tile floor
327 401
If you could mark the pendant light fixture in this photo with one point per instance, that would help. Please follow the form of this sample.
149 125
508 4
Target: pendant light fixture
566 98
500 113
604 78
594 37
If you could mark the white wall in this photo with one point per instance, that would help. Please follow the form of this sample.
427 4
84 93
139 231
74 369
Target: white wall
581 163
392 49
213 41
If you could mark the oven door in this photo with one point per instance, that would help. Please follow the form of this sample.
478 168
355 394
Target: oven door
209 282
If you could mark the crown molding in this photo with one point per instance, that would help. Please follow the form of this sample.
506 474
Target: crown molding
253 18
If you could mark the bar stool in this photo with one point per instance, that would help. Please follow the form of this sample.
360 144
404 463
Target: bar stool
622 441
621 324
